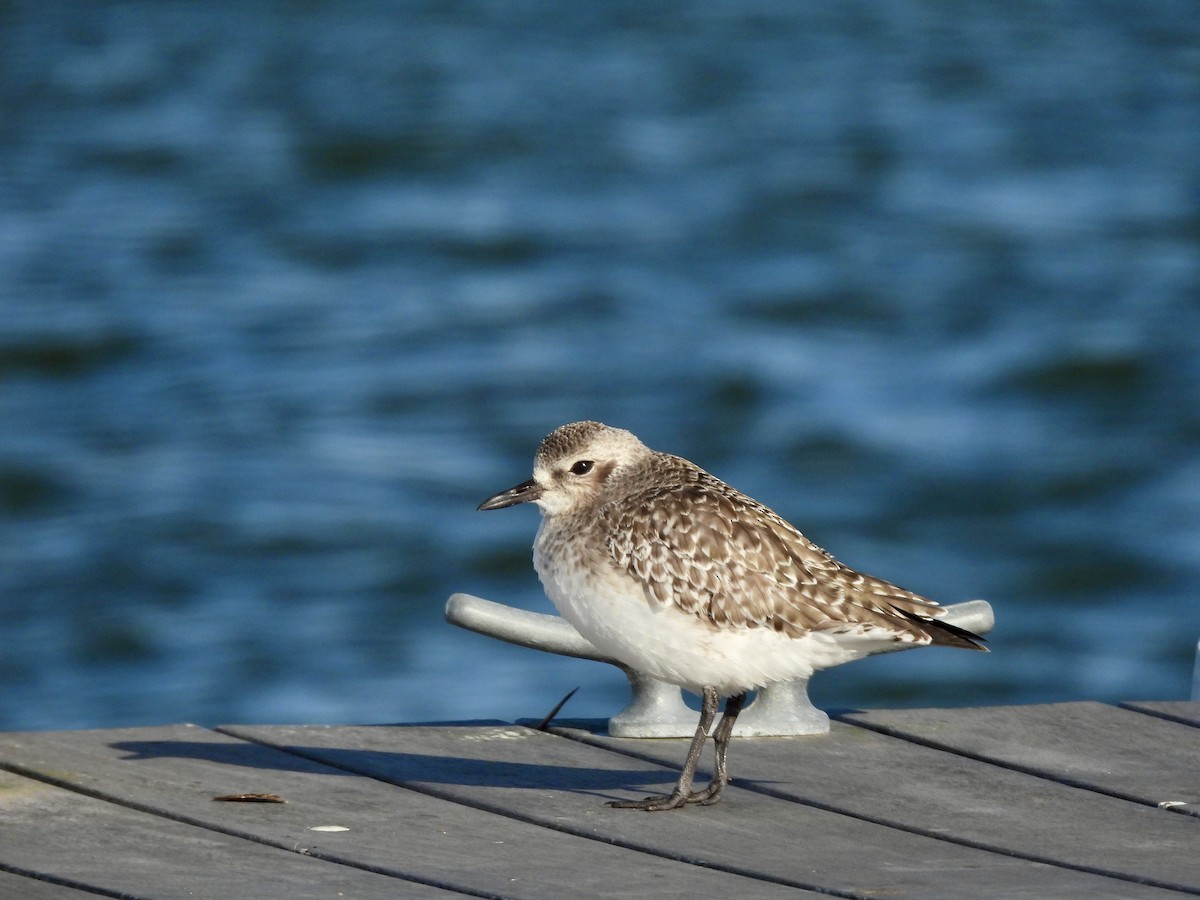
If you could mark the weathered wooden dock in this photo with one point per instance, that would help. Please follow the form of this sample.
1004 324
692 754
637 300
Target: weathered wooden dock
1064 800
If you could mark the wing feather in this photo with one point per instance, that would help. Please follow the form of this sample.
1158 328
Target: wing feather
727 559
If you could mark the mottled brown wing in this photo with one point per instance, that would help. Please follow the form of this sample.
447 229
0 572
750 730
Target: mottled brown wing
715 552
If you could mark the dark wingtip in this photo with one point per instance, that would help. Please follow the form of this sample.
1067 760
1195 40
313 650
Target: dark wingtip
945 634
957 637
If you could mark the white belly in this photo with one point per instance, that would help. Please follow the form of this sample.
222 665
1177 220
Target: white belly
610 609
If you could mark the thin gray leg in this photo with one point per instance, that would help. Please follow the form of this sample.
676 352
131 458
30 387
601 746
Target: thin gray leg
724 732
683 788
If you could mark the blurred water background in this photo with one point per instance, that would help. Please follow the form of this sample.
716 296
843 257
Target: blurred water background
286 288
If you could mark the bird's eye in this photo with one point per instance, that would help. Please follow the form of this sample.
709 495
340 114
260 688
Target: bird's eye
582 467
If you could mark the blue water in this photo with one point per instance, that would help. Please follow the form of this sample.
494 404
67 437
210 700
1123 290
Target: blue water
287 288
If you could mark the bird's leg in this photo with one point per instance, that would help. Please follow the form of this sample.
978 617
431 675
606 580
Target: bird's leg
683 788
712 793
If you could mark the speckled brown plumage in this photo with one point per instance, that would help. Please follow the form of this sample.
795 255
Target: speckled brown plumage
694 541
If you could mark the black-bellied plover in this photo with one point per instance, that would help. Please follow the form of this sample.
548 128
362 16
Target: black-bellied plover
676 574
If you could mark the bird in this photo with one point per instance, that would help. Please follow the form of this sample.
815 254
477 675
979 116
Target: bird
678 575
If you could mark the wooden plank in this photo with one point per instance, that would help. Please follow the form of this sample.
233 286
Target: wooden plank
1103 748
177 770
1185 711
932 792
29 888
94 845
545 779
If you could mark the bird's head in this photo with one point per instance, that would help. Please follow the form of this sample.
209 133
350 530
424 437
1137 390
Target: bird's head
573 465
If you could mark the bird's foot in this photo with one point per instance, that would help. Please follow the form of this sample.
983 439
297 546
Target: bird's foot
709 795
674 800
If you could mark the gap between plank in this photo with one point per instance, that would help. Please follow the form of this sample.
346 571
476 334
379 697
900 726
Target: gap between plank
68 882
1131 706
899 734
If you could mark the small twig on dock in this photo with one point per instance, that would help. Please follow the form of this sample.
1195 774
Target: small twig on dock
545 723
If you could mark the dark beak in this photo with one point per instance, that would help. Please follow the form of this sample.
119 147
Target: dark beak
525 492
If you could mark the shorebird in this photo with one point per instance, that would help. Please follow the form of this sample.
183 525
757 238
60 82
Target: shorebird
674 573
